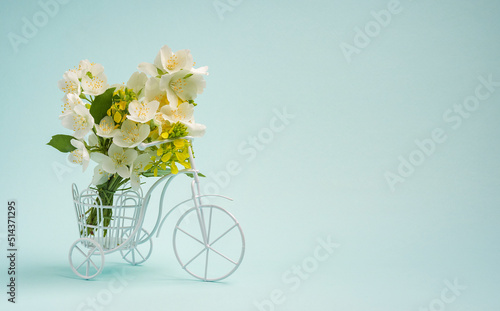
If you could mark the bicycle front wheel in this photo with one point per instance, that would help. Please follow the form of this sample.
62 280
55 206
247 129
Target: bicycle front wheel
222 252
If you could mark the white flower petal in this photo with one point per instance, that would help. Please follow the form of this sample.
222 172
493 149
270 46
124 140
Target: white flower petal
123 171
93 140
100 175
196 129
114 150
143 132
130 156
185 59
186 110
201 70
98 157
135 181
137 81
69 83
164 53
108 165
148 69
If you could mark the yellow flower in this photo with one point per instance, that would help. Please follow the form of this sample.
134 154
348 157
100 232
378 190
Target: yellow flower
182 156
122 104
117 117
179 143
173 168
166 157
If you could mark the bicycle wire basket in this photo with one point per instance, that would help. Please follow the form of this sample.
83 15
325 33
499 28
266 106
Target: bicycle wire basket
114 223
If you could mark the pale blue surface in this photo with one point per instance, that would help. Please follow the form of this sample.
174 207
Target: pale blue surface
321 175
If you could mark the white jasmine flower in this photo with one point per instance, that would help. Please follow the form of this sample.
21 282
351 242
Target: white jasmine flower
94 81
80 155
183 84
168 62
100 175
142 111
79 120
131 134
70 83
106 128
184 115
137 168
117 160
70 101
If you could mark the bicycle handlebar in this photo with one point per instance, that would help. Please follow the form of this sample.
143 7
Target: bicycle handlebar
143 146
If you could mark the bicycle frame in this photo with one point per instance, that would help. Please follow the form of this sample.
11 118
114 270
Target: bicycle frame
195 191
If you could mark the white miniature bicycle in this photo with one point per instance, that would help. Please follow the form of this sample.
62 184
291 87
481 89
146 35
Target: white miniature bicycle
208 241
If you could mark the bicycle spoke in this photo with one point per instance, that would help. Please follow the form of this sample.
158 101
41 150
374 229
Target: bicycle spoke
209 224
92 262
92 252
227 231
191 236
126 254
80 265
223 256
140 254
206 265
86 260
80 251
201 252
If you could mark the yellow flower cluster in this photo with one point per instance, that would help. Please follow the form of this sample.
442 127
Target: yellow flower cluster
119 109
169 154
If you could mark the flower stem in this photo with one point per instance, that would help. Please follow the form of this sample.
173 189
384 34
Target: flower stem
106 193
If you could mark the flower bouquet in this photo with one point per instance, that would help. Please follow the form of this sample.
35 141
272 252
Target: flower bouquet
110 121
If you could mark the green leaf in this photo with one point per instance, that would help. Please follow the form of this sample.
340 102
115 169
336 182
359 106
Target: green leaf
62 143
188 75
192 176
101 105
160 173
160 72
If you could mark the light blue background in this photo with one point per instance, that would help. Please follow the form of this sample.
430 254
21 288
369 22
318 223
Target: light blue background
322 175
